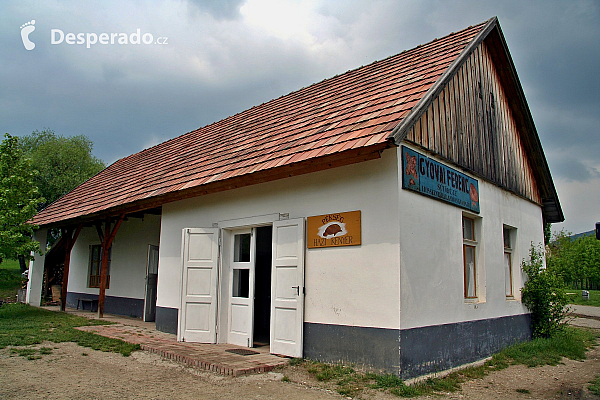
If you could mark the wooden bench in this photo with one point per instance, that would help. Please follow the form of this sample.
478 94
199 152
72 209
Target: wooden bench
82 301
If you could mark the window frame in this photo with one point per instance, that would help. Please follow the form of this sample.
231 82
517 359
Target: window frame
94 279
470 243
508 237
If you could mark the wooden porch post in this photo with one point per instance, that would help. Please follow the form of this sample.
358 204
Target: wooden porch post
107 240
70 239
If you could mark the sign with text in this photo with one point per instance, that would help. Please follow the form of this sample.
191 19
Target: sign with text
431 178
333 230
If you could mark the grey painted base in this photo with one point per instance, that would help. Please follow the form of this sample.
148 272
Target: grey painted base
373 347
166 319
112 304
441 347
418 351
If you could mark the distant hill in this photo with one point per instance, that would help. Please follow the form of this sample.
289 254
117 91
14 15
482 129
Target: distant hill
578 235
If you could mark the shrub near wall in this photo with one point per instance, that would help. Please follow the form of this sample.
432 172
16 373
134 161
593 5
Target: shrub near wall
544 295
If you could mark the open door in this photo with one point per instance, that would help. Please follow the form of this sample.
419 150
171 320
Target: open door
151 284
241 288
198 312
287 289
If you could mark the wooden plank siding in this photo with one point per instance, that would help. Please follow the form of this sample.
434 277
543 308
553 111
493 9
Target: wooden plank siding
471 125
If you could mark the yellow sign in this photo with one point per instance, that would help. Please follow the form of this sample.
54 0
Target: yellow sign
333 230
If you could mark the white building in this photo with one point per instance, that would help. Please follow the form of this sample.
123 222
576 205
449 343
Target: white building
378 217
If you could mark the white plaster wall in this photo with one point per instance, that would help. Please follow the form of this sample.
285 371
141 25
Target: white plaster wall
432 288
128 259
356 285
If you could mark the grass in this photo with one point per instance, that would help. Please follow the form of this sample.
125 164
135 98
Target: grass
571 343
595 386
577 299
10 279
22 325
30 353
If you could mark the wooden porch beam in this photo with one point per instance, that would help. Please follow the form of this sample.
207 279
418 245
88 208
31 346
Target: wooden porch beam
70 238
108 237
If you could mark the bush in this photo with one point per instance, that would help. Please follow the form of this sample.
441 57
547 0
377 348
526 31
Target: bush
544 295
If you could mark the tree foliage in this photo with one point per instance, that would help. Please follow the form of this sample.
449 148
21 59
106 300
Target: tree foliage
577 260
19 199
63 162
544 295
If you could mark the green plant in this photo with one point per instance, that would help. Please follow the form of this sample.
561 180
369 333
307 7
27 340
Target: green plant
524 391
544 295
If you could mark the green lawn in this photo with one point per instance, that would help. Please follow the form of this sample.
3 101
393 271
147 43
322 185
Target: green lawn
575 298
10 279
23 325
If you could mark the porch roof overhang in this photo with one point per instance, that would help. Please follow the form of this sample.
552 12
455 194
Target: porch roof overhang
153 205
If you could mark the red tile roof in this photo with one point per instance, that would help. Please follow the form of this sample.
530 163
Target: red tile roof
354 111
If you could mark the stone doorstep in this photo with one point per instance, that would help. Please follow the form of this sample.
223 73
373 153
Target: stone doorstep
212 358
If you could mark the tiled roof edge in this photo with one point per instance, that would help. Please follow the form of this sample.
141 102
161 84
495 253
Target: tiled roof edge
400 131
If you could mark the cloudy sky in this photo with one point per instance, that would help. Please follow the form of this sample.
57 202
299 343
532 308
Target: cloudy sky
218 58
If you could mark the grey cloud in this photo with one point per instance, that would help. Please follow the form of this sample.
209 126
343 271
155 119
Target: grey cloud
571 169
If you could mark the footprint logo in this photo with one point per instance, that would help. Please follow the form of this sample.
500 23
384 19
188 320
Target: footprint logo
26 29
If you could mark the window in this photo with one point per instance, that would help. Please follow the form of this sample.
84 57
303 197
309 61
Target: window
96 265
469 257
241 248
508 236
241 273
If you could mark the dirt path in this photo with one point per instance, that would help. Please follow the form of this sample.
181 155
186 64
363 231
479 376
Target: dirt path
74 372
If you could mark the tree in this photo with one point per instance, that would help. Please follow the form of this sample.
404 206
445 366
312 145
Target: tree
63 162
19 199
577 260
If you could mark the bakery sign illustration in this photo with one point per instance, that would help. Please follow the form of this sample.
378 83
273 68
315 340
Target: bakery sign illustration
431 178
333 230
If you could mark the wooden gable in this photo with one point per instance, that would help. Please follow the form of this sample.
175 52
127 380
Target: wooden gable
476 117
470 124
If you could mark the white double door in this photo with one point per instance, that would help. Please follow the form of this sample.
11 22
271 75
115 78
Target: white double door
198 313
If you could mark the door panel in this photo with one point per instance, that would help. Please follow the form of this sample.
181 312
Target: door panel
197 319
287 291
241 288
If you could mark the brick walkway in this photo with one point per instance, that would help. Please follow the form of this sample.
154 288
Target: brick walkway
212 357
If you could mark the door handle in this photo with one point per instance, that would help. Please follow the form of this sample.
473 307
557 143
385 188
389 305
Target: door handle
297 289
